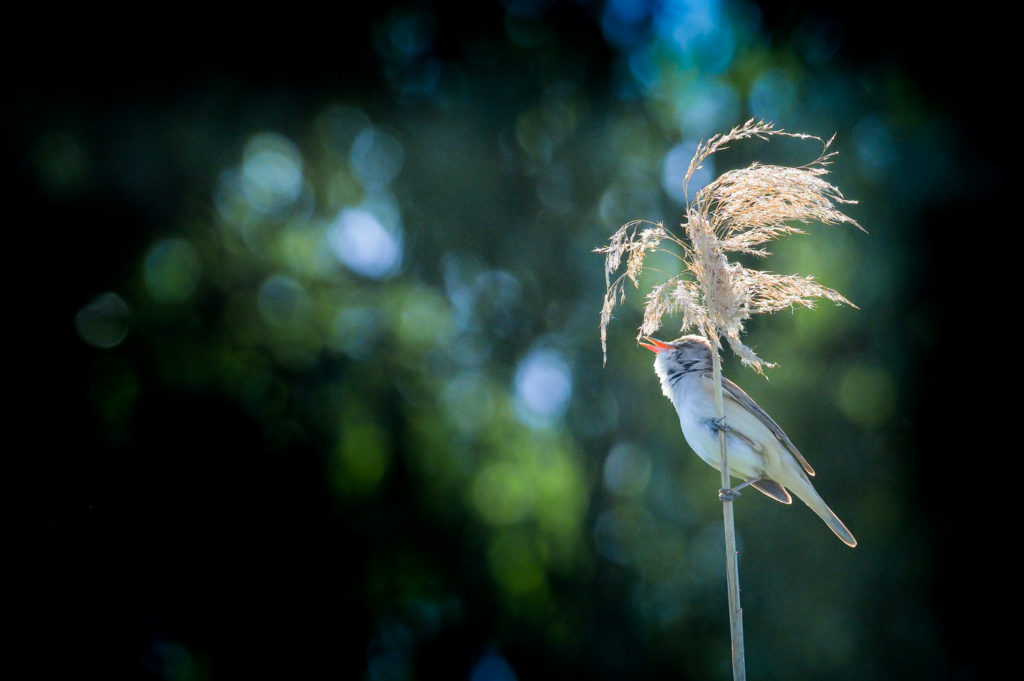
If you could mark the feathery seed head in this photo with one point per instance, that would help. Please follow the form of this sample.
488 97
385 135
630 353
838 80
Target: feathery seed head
738 212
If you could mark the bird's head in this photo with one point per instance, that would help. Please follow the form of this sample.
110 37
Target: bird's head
680 357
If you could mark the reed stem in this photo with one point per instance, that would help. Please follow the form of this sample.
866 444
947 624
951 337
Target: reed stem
739 666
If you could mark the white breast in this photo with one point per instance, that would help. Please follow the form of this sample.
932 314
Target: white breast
695 405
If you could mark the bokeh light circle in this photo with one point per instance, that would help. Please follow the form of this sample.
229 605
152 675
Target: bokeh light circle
103 322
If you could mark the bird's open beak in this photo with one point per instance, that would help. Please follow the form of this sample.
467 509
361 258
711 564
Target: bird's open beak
655 345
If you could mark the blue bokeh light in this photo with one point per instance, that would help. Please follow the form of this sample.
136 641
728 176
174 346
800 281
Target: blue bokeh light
492 667
376 156
103 322
283 302
773 95
876 147
703 106
626 22
271 176
673 170
360 241
543 386
699 31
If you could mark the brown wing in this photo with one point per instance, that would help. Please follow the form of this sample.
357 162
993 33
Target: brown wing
772 490
747 402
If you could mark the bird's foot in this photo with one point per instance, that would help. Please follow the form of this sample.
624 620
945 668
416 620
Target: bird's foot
720 424
728 494
731 494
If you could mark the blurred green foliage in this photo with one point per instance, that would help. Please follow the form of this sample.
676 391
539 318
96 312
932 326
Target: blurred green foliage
327 394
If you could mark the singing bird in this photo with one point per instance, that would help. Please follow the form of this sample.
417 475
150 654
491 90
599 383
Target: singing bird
759 452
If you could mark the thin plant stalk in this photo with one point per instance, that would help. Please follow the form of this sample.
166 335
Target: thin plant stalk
732 568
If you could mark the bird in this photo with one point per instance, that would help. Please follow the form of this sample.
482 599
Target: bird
758 451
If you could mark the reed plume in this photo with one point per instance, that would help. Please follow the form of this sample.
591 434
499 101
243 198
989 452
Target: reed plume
739 212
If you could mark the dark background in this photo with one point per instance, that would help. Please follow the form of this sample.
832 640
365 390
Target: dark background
288 467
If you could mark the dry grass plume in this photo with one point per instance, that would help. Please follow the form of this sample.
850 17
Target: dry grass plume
739 212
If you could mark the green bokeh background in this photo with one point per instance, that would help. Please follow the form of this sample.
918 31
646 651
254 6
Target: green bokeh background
307 379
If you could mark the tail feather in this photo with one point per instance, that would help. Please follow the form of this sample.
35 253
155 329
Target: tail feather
810 496
835 524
